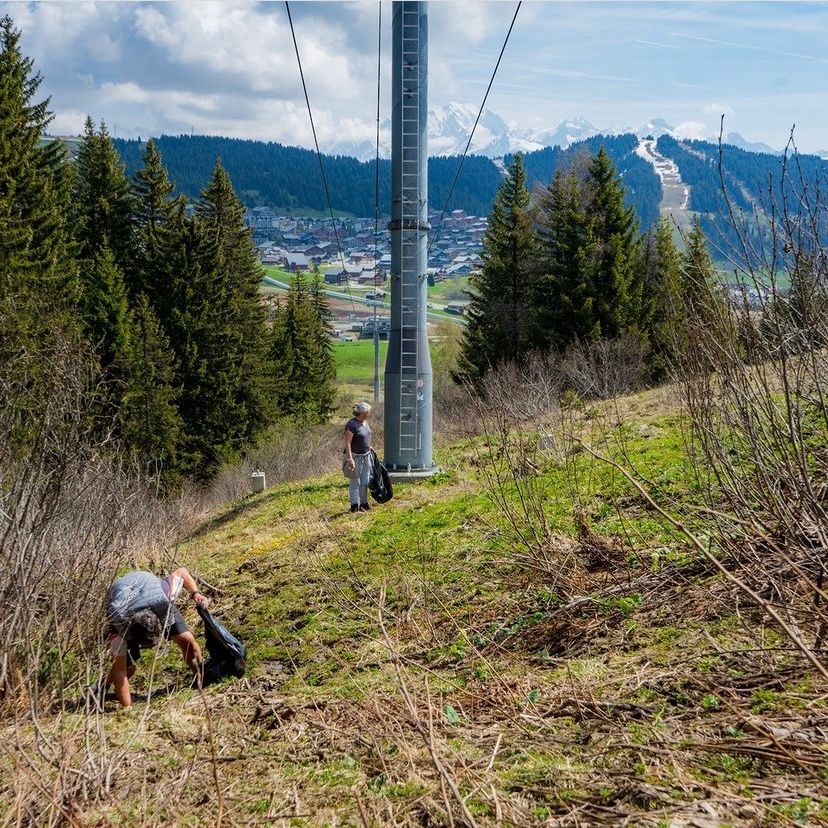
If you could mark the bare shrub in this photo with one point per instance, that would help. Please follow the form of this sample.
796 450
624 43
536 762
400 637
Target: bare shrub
755 383
606 368
522 423
70 516
291 452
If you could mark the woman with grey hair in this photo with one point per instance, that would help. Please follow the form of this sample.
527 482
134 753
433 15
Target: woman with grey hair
357 464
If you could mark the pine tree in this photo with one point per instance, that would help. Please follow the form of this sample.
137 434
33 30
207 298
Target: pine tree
564 297
617 278
501 293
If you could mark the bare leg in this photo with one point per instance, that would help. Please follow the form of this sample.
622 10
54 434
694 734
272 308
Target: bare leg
190 652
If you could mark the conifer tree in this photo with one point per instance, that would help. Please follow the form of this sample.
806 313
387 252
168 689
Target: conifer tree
105 311
698 304
149 419
152 191
564 296
617 279
324 364
697 273
154 209
191 314
243 314
501 293
302 355
102 201
661 299
38 284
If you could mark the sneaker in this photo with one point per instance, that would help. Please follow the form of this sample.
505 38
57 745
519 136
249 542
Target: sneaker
364 507
354 507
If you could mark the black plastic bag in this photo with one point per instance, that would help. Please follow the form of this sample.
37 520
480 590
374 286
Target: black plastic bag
380 483
228 656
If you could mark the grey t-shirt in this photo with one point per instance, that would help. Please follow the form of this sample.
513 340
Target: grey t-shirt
132 592
361 441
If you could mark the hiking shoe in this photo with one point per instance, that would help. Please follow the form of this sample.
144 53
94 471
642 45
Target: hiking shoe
364 507
354 507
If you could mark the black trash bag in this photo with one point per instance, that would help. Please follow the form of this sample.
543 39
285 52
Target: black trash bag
228 656
380 483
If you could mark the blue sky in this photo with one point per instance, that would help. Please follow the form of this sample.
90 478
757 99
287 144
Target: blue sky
228 68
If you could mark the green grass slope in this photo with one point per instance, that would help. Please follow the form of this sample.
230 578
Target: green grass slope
435 661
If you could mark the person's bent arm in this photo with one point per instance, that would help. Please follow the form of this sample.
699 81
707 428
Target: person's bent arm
349 436
120 680
189 584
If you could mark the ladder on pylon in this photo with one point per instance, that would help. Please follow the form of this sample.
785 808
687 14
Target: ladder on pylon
411 207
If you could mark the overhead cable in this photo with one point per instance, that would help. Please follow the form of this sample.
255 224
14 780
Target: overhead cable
319 154
435 235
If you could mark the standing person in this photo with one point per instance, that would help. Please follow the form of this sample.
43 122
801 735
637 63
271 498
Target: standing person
358 457
141 610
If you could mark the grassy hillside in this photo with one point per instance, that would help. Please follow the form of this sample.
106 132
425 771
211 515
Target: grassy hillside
519 640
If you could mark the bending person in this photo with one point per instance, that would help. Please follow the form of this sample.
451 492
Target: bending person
141 611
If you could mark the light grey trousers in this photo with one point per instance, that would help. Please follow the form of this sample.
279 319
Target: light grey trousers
358 484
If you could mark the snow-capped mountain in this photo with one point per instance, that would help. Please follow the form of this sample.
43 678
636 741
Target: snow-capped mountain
449 128
565 133
737 141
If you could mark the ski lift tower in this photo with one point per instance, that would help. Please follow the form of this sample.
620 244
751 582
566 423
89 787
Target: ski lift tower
408 404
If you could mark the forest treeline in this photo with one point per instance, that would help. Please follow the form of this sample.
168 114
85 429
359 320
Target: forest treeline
571 266
287 178
159 303
745 183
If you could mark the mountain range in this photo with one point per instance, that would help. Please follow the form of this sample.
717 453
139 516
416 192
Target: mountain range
449 128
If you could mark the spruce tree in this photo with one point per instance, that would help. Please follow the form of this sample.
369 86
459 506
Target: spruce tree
699 298
501 293
154 208
105 311
103 203
324 364
661 297
697 274
243 314
192 316
616 274
149 419
302 355
38 284
564 296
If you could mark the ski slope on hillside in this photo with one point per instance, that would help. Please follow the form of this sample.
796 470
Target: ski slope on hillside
676 194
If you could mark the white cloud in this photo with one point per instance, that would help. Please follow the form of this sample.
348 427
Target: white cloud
717 109
694 130
67 122
229 68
